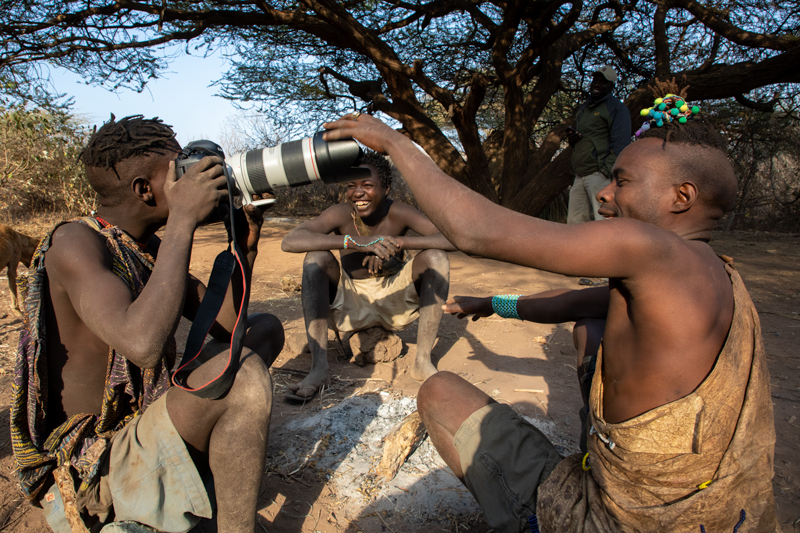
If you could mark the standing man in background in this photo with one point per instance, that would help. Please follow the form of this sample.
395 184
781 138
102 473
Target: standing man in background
603 129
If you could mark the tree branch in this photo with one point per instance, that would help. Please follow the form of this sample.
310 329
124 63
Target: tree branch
661 42
764 107
715 20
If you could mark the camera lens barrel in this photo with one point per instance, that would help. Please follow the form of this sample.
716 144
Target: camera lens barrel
297 163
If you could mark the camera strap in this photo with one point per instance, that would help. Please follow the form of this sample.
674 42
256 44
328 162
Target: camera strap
217 287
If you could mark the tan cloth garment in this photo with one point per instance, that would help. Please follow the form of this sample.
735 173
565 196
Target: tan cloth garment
722 433
389 301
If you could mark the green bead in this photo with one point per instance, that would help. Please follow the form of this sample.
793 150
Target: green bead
674 111
695 109
662 107
682 120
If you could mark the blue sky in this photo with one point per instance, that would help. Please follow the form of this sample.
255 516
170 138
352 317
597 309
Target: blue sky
182 97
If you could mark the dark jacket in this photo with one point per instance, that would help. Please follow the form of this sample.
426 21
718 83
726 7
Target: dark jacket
606 129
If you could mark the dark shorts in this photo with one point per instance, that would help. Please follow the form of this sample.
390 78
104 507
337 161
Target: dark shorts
504 460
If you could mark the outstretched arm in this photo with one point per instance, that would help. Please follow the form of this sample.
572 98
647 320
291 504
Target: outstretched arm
478 226
549 307
429 237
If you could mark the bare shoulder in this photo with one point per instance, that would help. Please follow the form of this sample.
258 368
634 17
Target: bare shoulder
412 218
401 208
75 246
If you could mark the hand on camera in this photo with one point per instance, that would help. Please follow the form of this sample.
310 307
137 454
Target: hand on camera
464 306
198 192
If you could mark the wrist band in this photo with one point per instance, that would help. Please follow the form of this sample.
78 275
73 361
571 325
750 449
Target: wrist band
505 305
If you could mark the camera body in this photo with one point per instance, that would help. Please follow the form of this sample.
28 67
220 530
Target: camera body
291 164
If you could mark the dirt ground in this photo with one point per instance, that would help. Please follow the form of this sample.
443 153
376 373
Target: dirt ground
530 366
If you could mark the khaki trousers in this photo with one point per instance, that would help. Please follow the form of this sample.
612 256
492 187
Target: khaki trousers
583 203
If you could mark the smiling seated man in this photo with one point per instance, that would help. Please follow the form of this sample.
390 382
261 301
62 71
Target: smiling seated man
98 434
376 284
680 408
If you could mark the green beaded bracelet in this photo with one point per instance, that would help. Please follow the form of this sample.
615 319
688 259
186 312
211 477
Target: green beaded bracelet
505 305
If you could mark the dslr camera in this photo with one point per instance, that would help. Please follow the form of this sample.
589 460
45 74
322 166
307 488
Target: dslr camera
291 164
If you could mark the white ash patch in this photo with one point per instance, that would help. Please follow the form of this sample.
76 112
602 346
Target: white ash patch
346 442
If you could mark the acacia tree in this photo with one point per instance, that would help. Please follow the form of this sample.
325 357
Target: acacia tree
482 86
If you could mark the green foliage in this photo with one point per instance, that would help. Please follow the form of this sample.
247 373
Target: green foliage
39 168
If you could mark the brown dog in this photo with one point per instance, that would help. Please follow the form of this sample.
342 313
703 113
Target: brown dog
15 247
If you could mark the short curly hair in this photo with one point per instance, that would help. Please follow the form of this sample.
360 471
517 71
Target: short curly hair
386 170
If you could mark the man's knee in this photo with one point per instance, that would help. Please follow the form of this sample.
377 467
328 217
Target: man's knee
436 388
252 389
319 260
431 270
434 259
265 336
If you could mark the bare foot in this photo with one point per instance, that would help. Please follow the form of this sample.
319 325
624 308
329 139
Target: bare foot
423 369
308 388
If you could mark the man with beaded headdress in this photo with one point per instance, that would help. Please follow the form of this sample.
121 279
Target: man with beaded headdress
98 434
602 130
681 433
376 284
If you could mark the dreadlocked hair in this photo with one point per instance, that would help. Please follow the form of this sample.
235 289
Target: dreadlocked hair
128 137
384 167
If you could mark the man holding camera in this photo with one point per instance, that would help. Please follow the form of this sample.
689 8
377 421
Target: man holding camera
603 129
376 284
98 434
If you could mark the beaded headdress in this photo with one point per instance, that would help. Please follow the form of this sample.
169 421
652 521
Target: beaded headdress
671 107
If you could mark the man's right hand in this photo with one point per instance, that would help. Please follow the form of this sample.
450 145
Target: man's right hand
464 306
198 191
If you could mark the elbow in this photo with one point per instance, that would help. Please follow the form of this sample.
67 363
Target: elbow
286 246
466 243
146 355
